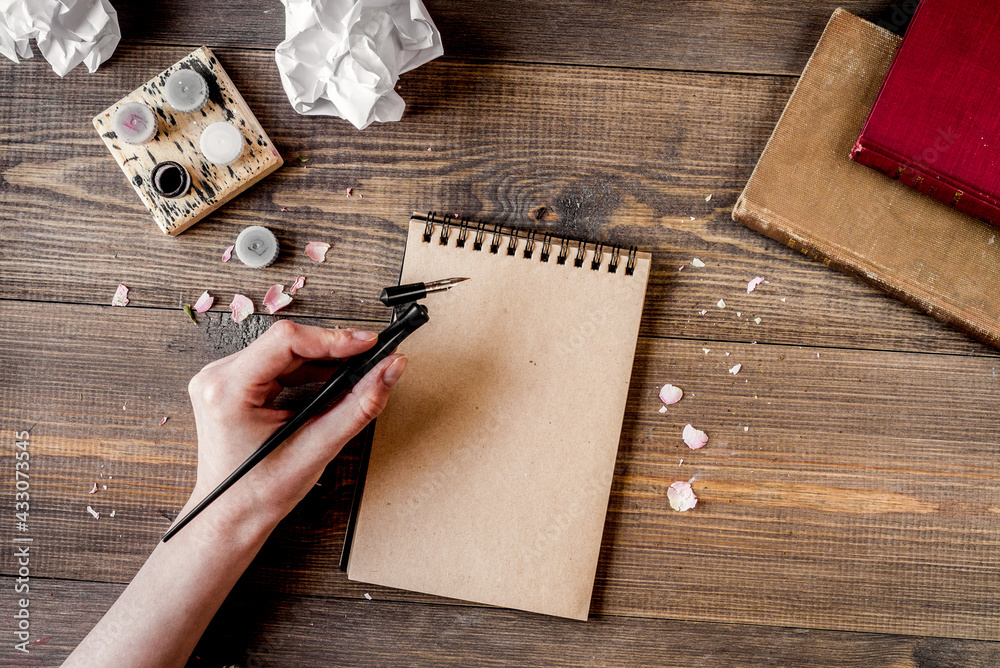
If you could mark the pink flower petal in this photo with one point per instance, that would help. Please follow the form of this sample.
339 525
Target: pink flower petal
663 409
204 302
93 490
276 299
754 282
681 496
317 250
228 255
241 307
121 296
670 394
694 438
299 282
349 191
93 512
164 420
736 369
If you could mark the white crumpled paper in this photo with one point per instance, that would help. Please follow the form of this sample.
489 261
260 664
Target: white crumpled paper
67 32
343 57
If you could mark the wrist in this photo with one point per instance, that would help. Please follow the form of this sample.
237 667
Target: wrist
230 519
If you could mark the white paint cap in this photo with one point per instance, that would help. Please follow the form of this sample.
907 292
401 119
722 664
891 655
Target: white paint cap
256 247
222 143
186 91
134 123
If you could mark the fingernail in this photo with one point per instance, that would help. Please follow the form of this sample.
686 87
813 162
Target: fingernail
363 335
395 370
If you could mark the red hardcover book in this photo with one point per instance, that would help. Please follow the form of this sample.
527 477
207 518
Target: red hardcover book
935 124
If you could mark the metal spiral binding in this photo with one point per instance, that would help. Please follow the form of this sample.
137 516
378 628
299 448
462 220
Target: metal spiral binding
512 243
563 251
529 246
514 236
494 243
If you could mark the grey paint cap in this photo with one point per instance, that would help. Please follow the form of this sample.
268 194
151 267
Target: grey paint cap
256 247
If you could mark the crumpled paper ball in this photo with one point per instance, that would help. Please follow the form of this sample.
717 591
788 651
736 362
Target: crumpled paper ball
343 57
67 32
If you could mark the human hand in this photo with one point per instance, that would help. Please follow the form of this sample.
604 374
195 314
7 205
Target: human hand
233 401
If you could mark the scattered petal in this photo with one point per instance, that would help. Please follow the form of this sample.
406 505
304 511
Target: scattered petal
125 406
276 299
204 302
697 263
706 350
754 282
757 320
190 313
681 496
663 409
299 282
739 314
113 513
367 595
736 369
93 512
164 420
681 268
121 296
709 198
93 490
228 254
681 461
727 354
692 217
317 250
694 438
746 428
241 306
670 394
992 239
349 191
428 149
782 299
721 304
702 312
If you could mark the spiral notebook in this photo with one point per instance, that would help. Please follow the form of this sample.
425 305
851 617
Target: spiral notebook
490 470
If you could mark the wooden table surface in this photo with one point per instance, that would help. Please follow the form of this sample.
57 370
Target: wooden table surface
850 492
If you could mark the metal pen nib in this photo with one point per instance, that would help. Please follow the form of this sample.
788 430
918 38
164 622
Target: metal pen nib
443 284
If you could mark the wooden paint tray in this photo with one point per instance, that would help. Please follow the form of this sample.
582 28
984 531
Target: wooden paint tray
177 139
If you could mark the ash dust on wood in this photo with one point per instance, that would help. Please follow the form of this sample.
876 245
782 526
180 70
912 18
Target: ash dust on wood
227 337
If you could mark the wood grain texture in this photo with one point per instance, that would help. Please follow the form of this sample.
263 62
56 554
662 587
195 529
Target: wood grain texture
768 36
256 630
840 489
178 139
624 157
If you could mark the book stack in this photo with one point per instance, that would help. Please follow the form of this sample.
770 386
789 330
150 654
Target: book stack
806 191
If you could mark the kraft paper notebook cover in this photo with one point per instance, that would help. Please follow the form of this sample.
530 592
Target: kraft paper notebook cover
490 470
936 121
806 192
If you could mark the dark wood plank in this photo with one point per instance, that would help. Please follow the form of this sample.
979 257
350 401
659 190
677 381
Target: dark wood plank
620 156
840 489
767 36
255 630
